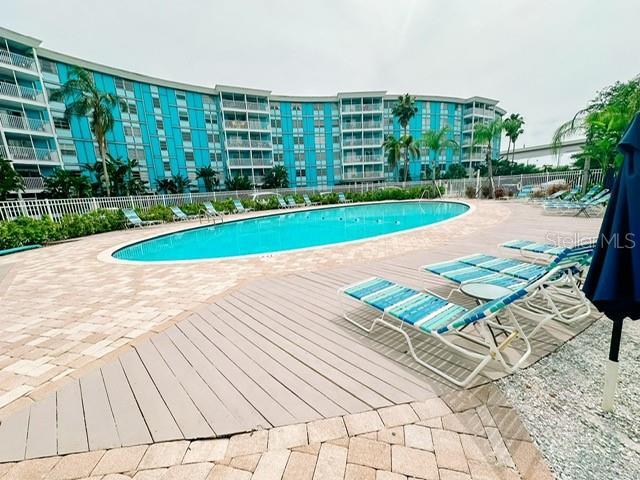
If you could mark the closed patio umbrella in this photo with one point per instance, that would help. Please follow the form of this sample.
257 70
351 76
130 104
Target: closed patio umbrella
613 281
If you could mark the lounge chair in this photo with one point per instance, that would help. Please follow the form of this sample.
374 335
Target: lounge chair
210 211
558 281
343 199
593 206
524 192
282 203
180 215
292 202
403 308
134 220
239 207
308 202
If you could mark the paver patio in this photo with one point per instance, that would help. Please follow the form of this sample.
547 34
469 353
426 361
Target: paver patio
229 346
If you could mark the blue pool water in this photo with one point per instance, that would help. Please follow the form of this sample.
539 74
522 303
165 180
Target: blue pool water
291 230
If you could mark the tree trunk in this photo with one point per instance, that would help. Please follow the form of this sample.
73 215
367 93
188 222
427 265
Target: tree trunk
490 171
585 175
406 160
105 172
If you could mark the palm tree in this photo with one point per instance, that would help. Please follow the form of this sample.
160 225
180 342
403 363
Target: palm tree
404 111
436 141
66 184
182 183
209 177
513 129
166 185
485 134
10 180
397 149
86 100
276 178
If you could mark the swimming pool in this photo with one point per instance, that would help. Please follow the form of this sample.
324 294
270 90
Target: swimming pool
291 230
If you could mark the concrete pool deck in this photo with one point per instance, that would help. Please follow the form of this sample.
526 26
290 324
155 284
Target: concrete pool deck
70 316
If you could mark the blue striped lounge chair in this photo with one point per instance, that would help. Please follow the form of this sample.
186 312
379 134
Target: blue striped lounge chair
557 283
343 199
307 201
237 204
134 220
179 215
401 308
292 202
583 205
282 203
210 211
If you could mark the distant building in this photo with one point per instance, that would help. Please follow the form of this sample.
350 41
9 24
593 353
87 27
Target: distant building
173 128
543 155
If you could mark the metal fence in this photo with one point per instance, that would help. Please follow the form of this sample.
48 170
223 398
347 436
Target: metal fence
57 208
572 178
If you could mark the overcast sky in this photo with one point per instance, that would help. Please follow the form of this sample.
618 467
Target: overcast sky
543 59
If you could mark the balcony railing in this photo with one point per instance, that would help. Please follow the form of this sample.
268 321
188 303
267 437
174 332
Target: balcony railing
248 162
32 154
358 159
24 123
33 184
362 175
241 124
361 125
375 142
18 91
238 105
242 143
367 107
17 60
244 125
478 112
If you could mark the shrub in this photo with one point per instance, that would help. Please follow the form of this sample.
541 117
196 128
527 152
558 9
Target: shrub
499 192
156 212
485 191
556 187
539 193
470 191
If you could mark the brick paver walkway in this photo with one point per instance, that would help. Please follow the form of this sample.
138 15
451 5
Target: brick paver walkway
467 435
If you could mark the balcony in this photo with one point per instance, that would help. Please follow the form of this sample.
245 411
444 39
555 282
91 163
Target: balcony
243 143
33 184
17 91
360 159
363 175
250 162
26 124
17 60
239 105
29 154
361 125
362 142
244 125
479 112
367 107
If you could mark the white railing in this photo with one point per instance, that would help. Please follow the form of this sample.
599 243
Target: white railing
258 126
56 208
33 184
236 104
248 162
362 175
17 60
261 107
375 142
24 123
236 124
28 153
235 142
361 125
13 90
572 178
367 107
356 159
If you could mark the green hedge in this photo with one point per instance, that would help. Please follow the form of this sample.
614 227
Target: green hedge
29 231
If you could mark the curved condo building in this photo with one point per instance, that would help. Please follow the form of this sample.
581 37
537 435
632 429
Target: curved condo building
173 128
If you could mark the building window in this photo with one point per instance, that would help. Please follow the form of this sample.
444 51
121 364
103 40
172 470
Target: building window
186 136
159 124
156 102
61 123
188 156
184 117
48 66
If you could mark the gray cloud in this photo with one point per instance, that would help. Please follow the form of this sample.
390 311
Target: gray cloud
543 59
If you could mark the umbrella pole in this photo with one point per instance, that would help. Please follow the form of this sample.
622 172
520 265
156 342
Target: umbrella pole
612 366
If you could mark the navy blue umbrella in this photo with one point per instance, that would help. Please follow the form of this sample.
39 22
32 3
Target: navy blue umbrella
613 281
